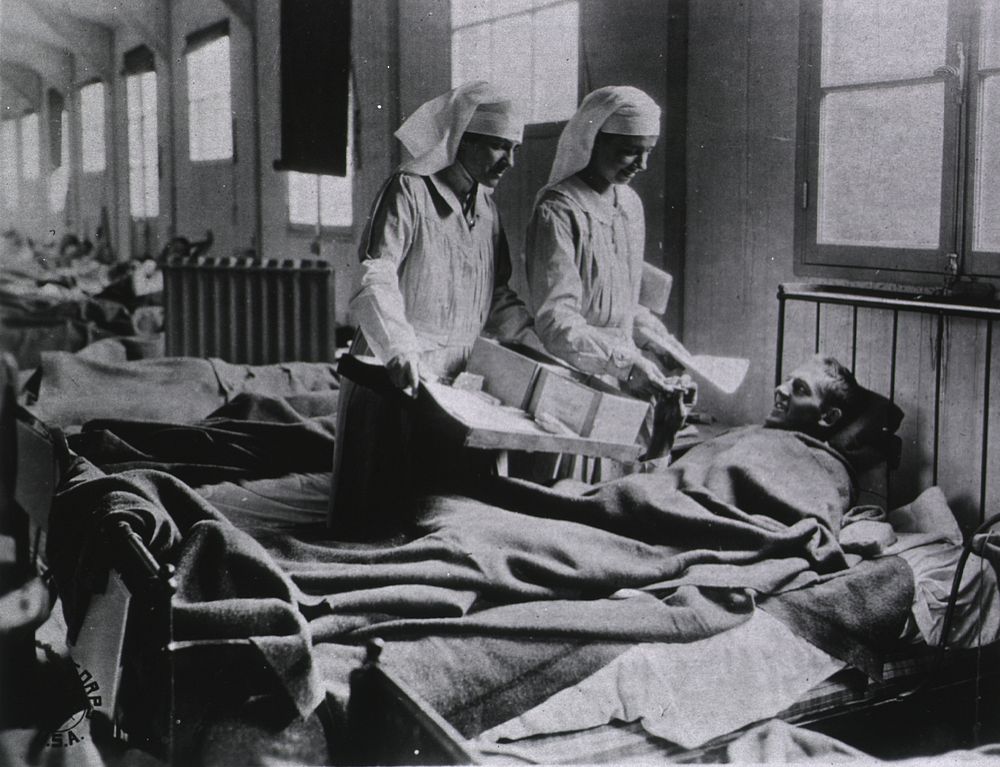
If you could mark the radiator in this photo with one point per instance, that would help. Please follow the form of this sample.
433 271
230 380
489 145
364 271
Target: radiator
247 311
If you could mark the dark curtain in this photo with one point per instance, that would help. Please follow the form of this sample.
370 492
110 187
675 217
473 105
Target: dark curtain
315 78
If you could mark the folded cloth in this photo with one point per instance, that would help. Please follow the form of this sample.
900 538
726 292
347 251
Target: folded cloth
865 531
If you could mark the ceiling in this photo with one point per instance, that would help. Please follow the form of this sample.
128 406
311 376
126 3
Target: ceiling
64 43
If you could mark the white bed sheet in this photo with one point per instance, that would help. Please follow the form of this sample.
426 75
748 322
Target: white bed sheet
691 693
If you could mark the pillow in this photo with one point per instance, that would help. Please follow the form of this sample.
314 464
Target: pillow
869 438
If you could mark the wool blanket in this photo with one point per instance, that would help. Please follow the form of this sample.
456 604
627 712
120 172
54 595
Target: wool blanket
671 556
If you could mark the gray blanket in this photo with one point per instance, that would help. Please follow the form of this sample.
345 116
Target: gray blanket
673 556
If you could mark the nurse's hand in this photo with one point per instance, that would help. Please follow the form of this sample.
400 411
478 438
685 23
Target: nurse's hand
404 372
646 379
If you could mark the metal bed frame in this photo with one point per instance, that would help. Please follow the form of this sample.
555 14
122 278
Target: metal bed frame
898 303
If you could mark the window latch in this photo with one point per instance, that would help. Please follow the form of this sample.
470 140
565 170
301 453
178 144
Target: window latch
958 72
950 270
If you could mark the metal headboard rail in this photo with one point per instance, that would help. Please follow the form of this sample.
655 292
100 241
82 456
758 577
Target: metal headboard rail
897 303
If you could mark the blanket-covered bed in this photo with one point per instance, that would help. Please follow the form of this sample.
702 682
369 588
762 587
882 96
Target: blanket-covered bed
505 592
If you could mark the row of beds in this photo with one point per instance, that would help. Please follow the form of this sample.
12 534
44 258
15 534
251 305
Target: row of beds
188 549
68 308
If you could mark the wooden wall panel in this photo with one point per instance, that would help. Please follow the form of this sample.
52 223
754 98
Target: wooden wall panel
915 394
836 333
960 432
741 105
800 326
991 491
873 357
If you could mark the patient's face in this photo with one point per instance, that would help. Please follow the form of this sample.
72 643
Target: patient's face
799 400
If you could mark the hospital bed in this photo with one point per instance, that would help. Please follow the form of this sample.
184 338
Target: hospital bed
386 710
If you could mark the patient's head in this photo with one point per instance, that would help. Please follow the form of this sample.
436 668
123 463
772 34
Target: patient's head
815 398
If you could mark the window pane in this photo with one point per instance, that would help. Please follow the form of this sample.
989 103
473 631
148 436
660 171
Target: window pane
555 83
92 127
303 198
865 41
144 193
990 45
470 55
335 195
511 57
528 48
133 96
209 102
29 146
465 12
986 229
471 11
880 166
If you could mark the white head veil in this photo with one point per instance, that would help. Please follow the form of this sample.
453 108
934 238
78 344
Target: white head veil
431 134
618 109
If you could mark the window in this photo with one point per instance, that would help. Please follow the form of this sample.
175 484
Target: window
210 119
899 113
322 200
143 165
30 161
92 127
8 148
525 47
59 178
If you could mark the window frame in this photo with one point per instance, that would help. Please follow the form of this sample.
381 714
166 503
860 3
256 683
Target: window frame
144 216
984 263
894 264
336 231
195 43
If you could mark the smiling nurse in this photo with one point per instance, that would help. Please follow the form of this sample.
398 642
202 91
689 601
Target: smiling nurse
585 253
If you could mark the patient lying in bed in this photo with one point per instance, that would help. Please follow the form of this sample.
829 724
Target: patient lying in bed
527 579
